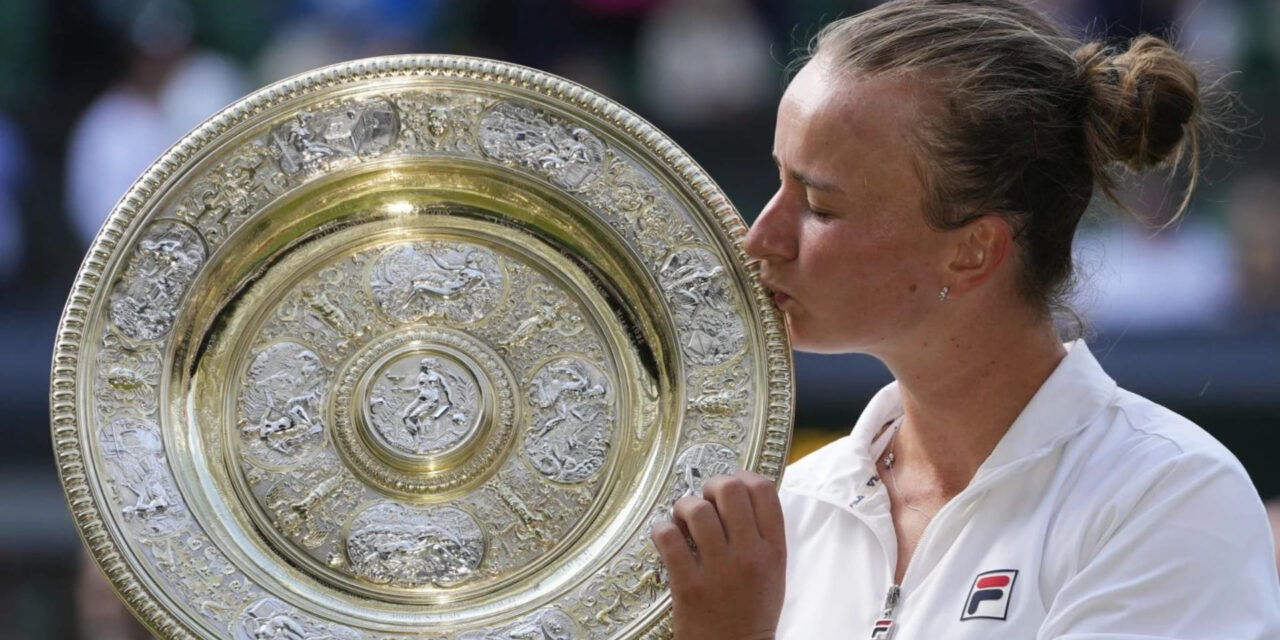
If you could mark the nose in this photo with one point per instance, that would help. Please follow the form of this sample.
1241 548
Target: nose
771 236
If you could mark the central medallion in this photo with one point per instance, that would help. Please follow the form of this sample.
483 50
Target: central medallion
425 411
422 403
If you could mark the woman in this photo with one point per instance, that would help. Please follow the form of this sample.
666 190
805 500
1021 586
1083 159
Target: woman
935 157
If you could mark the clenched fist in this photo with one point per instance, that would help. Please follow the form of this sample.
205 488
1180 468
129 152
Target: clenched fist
727 585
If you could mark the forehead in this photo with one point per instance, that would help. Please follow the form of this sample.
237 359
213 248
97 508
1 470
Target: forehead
831 114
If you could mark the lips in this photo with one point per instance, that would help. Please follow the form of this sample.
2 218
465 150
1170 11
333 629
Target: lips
777 295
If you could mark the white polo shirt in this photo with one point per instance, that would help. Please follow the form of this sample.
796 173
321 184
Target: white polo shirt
1099 515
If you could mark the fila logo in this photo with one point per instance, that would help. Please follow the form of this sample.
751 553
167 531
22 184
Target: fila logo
882 630
989 595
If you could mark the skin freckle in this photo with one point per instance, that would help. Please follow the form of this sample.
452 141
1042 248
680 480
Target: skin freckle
912 288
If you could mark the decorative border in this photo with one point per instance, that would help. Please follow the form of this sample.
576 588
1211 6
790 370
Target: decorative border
63 394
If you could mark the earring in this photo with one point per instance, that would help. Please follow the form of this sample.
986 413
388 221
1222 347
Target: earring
942 295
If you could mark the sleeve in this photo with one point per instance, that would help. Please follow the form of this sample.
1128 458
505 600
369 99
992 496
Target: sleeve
1182 551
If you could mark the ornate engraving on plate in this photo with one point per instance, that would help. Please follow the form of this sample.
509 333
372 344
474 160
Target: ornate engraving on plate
548 624
312 139
540 351
569 439
720 400
424 404
404 546
145 300
237 186
329 309
552 311
459 282
441 122
627 587
569 156
698 463
270 619
311 503
280 402
694 281
128 376
145 490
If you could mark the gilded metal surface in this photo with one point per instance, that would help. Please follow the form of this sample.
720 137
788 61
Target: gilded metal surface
411 347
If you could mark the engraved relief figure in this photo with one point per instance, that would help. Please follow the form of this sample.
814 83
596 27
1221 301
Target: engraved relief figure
311 139
627 587
570 157
569 439
462 283
271 619
440 121
549 624
402 546
144 302
126 376
148 496
552 311
328 311
432 413
699 463
280 403
310 505
711 331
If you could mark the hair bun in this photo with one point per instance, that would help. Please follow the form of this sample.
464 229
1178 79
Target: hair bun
1143 104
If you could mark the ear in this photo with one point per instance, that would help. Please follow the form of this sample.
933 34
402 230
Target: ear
980 247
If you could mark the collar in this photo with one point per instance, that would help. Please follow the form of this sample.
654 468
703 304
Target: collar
1072 396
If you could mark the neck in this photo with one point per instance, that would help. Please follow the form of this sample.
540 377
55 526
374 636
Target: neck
962 391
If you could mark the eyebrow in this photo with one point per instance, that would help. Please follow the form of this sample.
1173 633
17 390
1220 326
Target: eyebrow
809 181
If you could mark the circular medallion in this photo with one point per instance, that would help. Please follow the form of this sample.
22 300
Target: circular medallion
411 347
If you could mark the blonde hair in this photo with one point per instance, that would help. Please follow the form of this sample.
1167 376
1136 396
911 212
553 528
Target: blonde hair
1027 120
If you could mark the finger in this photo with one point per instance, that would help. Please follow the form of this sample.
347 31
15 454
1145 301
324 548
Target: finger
729 495
673 546
766 506
703 523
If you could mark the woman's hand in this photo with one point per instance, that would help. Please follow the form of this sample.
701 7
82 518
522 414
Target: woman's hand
729 584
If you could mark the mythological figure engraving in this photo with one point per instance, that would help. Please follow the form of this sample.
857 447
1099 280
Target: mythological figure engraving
698 463
569 156
553 311
280 403
271 619
548 624
440 122
144 302
148 496
424 404
309 141
711 332
459 282
574 418
412 547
